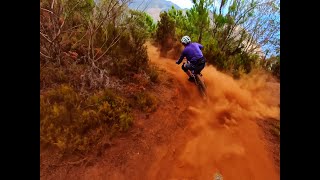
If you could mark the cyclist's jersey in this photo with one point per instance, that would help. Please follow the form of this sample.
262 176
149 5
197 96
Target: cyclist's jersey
192 52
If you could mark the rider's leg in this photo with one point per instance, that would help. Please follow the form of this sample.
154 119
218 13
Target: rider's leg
187 68
200 67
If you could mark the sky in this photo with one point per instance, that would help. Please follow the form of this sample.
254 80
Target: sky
182 3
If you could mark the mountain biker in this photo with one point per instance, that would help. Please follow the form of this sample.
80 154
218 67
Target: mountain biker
195 59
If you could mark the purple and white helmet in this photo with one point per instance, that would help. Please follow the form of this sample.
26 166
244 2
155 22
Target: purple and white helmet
185 40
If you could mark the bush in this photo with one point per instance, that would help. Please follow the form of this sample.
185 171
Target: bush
75 110
145 101
153 73
73 122
236 63
275 128
276 70
165 33
131 56
272 65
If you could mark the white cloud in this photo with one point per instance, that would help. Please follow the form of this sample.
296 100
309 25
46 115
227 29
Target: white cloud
182 3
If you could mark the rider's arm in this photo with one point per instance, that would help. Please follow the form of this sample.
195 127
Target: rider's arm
200 46
181 58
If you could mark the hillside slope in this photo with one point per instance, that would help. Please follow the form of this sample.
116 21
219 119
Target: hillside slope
186 138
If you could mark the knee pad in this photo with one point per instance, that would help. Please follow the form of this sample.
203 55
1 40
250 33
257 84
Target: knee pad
184 68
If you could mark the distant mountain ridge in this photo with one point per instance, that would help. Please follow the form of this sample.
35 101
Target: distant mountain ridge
161 4
153 7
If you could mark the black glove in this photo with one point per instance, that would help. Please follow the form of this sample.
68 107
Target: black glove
177 62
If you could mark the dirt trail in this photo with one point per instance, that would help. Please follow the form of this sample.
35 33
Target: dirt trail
223 135
188 139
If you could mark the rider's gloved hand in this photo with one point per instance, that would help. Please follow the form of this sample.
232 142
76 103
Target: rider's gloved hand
177 62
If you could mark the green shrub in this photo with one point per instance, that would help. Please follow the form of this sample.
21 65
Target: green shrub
145 101
73 122
131 56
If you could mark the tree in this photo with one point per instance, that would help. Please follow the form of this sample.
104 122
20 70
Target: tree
144 21
239 33
55 22
199 16
166 31
180 20
248 24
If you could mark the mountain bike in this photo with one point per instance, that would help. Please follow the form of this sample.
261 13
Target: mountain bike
199 81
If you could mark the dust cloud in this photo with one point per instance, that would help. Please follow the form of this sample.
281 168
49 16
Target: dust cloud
224 136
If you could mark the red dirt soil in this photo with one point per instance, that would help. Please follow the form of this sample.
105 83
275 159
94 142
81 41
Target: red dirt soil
186 138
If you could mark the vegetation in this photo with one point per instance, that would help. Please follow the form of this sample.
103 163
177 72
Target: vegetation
88 52
236 34
75 125
275 128
146 101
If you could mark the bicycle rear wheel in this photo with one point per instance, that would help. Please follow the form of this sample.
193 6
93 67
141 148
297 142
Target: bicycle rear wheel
202 87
